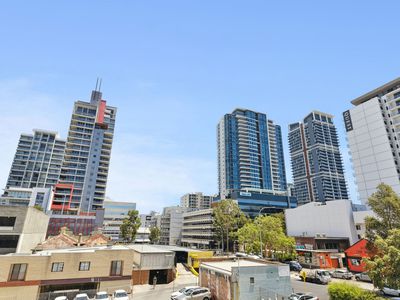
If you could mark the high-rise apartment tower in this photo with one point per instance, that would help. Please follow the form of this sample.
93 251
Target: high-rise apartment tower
373 134
83 179
317 165
37 161
250 154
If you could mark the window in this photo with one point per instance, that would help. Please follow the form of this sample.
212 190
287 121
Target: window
18 272
251 280
84 266
57 267
358 227
116 268
7 221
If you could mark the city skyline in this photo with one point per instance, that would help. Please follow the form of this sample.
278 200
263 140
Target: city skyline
174 69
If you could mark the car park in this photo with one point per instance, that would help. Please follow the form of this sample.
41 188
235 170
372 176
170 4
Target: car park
182 291
120 295
195 294
363 277
101 296
391 292
302 296
82 296
342 274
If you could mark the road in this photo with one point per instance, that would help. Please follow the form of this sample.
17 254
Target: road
161 292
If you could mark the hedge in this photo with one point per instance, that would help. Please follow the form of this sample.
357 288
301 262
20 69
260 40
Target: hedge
346 291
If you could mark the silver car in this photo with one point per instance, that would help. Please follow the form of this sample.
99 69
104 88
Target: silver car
363 277
343 274
391 292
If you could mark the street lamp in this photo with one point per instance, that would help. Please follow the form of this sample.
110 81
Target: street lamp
259 212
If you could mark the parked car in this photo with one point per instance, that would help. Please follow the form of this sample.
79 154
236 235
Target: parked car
182 291
391 292
61 298
101 296
120 295
363 277
318 276
195 294
82 296
295 266
343 274
302 296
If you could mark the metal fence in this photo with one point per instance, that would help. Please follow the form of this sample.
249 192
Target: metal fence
70 294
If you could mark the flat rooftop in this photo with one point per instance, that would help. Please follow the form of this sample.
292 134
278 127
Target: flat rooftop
226 265
143 248
178 248
380 90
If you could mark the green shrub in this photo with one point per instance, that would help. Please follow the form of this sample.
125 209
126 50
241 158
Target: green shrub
346 291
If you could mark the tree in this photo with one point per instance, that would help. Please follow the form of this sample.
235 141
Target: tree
267 232
38 207
227 219
154 234
130 225
385 203
384 268
383 234
273 236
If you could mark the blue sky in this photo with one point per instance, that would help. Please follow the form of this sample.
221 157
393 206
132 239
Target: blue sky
173 68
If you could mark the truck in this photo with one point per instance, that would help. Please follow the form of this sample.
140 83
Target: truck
318 276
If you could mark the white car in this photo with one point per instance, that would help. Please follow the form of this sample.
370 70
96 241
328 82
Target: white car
101 296
391 292
195 294
82 296
182 290
120 295
61 298
302 296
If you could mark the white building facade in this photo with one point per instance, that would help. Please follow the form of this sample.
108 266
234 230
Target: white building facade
330 219
373 133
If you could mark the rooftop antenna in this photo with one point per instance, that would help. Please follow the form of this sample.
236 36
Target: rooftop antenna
100 84
97 82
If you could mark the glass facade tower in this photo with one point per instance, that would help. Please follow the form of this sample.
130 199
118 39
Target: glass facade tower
317 165
250 154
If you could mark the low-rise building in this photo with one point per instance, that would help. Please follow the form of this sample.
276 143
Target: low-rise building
171 225
197 229
114 213
245 279
66 239
194 201
27 197
21 228
328 219
355 255
46 274
150 262
80 223
142 235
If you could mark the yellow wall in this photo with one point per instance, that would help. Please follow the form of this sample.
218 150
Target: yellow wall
19 293
193 257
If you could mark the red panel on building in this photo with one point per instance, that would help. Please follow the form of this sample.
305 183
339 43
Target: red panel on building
62 188
101 112
355 254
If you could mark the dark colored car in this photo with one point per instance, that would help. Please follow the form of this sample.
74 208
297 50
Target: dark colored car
295 266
